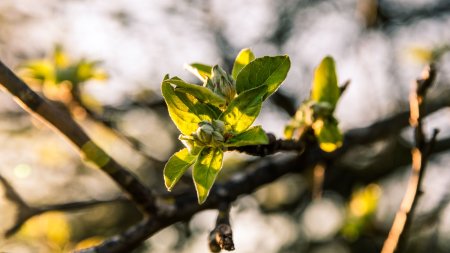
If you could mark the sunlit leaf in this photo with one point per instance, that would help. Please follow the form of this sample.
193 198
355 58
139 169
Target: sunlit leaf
243 110
185 110
205 171
201 71
176 166
253 136
203 94
325 87
328 134
244 57
269 71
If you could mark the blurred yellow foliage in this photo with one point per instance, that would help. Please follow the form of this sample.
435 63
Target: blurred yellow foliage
51 227
57 75
360 210
426 55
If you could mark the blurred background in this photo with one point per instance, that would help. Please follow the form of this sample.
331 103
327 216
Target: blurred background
104 61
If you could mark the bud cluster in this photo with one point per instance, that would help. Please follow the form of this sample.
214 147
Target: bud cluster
207 134
221 83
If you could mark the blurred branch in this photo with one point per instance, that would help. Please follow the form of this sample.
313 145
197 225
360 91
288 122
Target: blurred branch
389 15
26 211
343 177
66 125
392 125
398 235
185 204
111 124
222 235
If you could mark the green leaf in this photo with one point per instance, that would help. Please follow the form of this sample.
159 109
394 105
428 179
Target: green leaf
325 87
244 109
328 134
269 71
244 57
253 136
185 110
206 168
203 94
201 71
176 166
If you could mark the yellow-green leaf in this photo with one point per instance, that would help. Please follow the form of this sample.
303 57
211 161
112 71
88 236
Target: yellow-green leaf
243 110
205 171
203 94
244 57
325 86
185 110
269 71
201 71
176 166
328 134
253 136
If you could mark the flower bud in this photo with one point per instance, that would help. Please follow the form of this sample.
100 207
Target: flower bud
224 84
218 125
204 133
217 136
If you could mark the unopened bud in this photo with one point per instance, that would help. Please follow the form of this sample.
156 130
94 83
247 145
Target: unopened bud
217 136
204 133
224 84
218 125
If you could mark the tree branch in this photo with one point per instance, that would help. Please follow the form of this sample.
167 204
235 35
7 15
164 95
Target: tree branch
64 124
398 234
222 235
185 204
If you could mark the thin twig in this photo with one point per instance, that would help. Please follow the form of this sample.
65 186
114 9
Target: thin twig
398 234
63 123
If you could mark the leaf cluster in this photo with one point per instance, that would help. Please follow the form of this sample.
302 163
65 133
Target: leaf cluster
59 69
316 113
218 114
